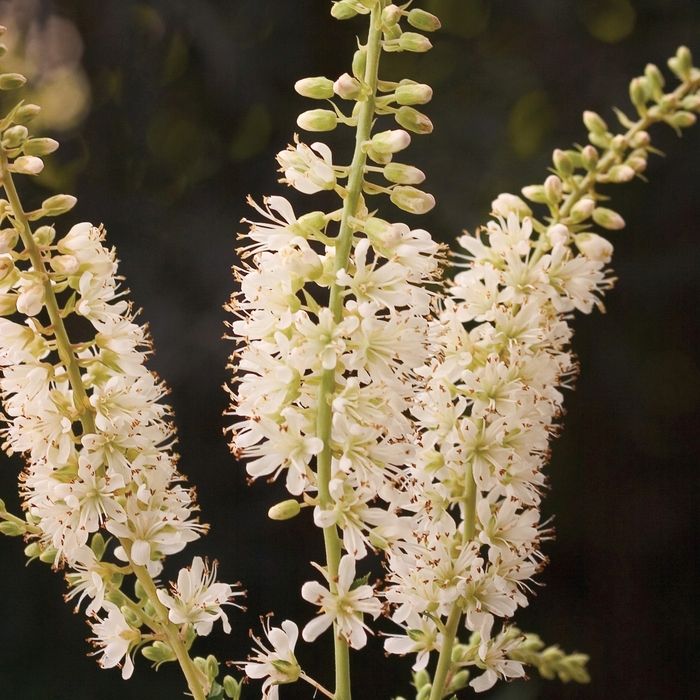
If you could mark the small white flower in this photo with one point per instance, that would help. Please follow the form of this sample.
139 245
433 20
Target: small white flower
279 665
116 637
344 607
197 600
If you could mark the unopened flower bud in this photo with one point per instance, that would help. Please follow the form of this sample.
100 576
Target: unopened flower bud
424 693
594 247
420 19
413 94
506 203
14 137
562 163
682 119
285 510
64 264
410 41
691 102
317 120
391 14
595 123
48 556
347 87
3 50
640 92
589 158
655 77
637 163
535 193
44 236
413 120
377 541
421 678
11 81
558 234
609 219
7 527
232 687
403 174
31 301
621 173
582 210
391 141
58 204
342 10
40 147
553 190
25 113
393 31
6 267
28 165
32 550
8 304
640 140
412 200
682 63
8 240
359 64
319 88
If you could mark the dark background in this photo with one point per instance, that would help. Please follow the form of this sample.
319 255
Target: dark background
184 104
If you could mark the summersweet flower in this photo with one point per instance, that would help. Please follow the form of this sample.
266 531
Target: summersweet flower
116 637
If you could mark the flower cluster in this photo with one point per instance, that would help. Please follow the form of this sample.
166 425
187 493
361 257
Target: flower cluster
89 418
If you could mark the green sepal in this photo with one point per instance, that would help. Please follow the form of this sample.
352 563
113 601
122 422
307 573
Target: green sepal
362 581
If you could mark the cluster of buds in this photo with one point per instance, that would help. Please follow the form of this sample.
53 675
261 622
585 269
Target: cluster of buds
89 418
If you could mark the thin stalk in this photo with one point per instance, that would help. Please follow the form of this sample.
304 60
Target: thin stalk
327 388
437 691
86 413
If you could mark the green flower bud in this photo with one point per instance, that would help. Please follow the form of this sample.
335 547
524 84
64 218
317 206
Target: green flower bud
3 50
98 545
621 173
459 681
359 64
58 204
413 94
212 667
48 556
8 240
413 120
317 120
44 235
25 113
391 14
637 163
14 137
232 687
8 304
347 87
421 678
691 102
682 119
595 123
377 541
535 193
403 174
609 219
563 163
32 550
393 141
392 32
655 77
159 653
424 692
319 88
682 63
130 616
3 509
553 190
410 41
7 527
600 140
589 158
28 165
285 510
420 19
412 200
640 92
11 81
40 147
582 210
342 10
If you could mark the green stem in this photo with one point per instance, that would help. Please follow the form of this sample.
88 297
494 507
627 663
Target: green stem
438 690
86 413
327 388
